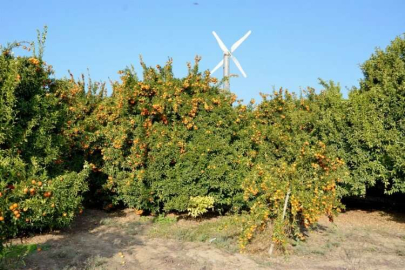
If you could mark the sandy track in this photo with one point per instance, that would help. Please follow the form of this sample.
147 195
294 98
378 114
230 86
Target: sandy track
357 240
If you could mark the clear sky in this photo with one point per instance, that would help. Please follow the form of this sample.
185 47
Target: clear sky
292 44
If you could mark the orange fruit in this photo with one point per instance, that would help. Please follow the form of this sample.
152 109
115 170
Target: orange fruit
39 183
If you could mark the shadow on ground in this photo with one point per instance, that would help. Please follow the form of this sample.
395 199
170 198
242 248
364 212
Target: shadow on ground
93 238
359 239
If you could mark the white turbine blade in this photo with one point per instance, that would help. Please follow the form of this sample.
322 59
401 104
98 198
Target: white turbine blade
220 43
237 43
217 67
238 65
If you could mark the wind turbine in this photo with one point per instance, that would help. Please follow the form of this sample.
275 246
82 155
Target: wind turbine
227 55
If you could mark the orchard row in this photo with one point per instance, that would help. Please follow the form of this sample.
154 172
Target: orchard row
163 144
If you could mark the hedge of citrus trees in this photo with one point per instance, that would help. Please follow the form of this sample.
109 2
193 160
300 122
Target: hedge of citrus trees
163 140
290 159
36 190
161 144
377 120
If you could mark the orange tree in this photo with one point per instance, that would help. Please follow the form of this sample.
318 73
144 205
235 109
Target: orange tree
165 140
80 100
288 157
376 117
330 122
36 191
367 129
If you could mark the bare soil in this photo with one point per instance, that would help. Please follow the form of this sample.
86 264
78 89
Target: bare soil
122 240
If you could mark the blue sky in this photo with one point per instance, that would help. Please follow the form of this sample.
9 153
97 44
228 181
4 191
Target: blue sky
292 44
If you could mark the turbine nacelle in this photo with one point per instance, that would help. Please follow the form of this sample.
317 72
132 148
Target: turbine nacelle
228 53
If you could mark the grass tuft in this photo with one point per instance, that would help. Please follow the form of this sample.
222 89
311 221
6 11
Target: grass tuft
222 232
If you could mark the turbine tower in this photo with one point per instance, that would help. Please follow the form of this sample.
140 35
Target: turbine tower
227 55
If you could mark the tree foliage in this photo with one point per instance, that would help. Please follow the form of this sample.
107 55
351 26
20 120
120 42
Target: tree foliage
36 190
164 140
289 158
376 122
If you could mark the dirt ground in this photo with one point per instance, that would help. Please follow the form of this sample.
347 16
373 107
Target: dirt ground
98 240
